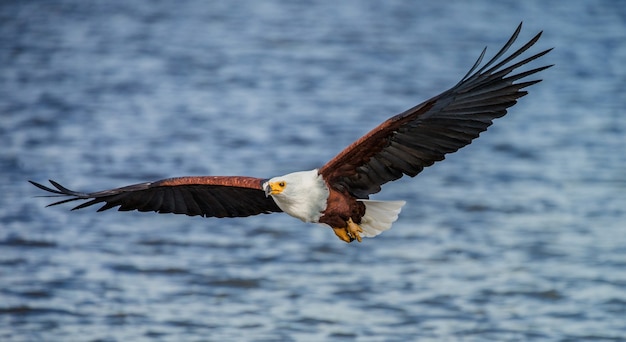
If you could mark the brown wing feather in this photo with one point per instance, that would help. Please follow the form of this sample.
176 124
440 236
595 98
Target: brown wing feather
209 196
422 135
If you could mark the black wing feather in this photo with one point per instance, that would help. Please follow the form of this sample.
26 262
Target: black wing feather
424 134
204 196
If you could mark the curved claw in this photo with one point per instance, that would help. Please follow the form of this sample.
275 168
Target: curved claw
349 233
354 230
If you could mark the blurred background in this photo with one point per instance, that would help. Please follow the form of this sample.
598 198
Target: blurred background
519 236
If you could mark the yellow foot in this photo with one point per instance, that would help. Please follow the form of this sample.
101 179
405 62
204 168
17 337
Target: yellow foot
350 233
342 233
354 230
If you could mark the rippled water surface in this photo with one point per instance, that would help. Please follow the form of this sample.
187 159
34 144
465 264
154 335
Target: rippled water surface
519 236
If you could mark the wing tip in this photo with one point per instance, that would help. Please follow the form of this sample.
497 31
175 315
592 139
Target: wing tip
60 191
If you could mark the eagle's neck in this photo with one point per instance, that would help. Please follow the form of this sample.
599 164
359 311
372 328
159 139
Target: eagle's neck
305 195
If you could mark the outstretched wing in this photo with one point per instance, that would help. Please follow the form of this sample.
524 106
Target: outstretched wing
209 196
422 135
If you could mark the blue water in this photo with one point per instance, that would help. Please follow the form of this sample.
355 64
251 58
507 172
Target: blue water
519 236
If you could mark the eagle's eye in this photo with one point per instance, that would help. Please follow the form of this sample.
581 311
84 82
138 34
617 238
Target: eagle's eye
281 184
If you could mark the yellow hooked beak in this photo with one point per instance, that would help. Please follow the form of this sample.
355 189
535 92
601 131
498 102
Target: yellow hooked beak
274 188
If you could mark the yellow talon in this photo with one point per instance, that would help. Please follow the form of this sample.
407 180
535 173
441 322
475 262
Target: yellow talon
350 232
354 230
342 233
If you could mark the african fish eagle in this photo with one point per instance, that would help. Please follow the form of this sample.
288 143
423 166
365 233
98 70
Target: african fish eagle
337 194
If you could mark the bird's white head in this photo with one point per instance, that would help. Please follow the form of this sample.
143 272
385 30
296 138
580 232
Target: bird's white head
300 194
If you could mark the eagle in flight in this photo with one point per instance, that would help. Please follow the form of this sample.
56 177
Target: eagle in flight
337 194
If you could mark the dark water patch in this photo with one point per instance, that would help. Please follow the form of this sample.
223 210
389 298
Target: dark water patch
190 324
384 309
545 295
13 262
439 301
158 242
540 250
502 334
575 315
269 232
615 305
237 283
125 318
351 292
343 335
514 151
475 207
22 213
455 253
327 250
54 103
18 241
31 294
313 321
27 310
8 161
132 269
175 244
155 334
594 337
617 282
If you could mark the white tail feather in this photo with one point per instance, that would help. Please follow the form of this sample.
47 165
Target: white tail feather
379 215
